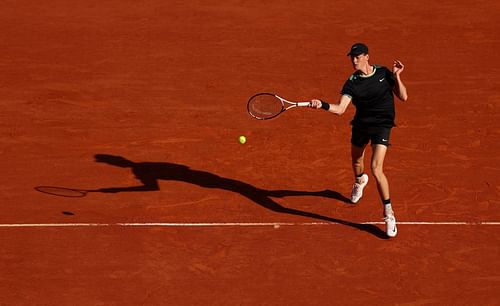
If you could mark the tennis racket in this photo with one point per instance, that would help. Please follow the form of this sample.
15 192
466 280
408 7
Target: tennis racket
63 192
265 106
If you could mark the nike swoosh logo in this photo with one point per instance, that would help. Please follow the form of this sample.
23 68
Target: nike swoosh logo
384 139
382 79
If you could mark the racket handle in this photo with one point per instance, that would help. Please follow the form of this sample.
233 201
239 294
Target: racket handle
303 103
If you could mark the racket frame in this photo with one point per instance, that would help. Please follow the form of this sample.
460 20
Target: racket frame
285 104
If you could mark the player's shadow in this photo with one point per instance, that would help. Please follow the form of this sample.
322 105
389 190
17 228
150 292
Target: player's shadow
149 173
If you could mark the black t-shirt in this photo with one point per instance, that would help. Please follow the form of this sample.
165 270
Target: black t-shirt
373 97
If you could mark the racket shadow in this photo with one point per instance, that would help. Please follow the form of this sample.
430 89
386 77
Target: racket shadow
62 191
150 173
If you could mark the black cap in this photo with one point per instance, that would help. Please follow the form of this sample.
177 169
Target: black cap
357 49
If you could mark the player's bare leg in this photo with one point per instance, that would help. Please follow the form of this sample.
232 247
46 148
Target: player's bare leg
357 155
377 166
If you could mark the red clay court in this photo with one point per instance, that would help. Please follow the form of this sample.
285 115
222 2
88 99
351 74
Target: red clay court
157 91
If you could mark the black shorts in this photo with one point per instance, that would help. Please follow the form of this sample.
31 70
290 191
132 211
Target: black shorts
361 136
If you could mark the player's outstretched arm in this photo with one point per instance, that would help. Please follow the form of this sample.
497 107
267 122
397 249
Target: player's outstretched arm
337 109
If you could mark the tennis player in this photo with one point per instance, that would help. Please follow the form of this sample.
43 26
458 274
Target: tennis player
371 88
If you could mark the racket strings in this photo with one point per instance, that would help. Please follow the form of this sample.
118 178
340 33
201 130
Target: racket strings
264 106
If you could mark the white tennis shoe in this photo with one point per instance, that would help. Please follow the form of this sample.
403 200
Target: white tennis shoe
357 188
390 222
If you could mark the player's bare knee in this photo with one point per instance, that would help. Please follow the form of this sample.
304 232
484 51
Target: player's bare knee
377 170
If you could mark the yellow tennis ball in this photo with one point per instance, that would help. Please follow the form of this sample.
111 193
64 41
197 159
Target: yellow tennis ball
242 139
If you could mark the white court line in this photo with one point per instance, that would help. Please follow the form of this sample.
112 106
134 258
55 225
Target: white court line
235 224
